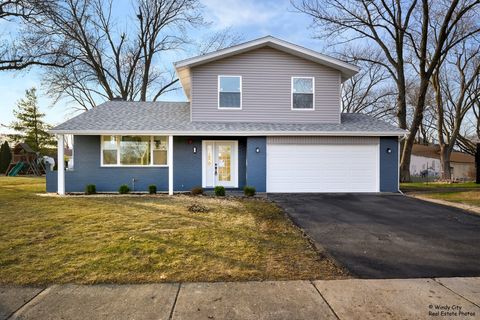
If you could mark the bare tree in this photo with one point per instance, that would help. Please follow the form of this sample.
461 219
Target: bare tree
427 130
109 61
369 92
17 56
438 30
400 30
457 90
218 40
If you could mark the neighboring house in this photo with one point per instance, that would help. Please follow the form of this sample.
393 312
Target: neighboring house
265 113
425 162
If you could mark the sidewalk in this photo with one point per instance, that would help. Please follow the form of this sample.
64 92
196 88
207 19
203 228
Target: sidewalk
458 298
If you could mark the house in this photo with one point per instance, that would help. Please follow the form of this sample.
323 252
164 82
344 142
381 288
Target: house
265 113
425 162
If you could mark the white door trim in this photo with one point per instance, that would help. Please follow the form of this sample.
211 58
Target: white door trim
234 160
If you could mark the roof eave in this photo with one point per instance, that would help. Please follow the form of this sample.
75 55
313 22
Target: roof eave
231 133
269 40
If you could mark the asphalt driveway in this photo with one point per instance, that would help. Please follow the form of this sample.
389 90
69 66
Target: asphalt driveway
389 236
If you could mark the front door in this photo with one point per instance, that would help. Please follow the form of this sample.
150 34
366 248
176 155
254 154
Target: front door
220 164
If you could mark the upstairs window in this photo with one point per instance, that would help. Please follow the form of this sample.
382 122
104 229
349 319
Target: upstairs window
303 93
229 92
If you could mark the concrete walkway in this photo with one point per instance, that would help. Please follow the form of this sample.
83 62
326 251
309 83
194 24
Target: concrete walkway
443 298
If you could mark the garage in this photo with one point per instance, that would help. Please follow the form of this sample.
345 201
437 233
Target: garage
323 164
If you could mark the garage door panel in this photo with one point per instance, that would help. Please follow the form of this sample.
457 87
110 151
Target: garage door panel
322 168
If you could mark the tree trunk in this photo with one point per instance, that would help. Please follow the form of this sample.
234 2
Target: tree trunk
405 162
409 141
477 163
401 101
446 173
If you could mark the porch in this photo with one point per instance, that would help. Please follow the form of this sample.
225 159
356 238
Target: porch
172 163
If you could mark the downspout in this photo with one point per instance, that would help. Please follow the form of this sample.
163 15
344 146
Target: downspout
398 163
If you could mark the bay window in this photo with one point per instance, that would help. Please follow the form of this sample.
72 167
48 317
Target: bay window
134 151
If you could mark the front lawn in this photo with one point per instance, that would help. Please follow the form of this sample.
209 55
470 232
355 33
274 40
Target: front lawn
431 186
471 198
137 239
466 193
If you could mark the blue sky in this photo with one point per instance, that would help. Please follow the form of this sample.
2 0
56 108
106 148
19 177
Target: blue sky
249 18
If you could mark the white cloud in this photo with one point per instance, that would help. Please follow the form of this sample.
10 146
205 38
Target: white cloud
234 13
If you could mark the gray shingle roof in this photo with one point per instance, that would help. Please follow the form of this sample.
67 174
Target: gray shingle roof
119 117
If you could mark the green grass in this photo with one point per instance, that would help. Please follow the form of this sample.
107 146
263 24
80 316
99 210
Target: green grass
137 239
466 197
466 193
419 186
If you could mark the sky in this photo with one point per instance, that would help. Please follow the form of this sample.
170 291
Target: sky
249 18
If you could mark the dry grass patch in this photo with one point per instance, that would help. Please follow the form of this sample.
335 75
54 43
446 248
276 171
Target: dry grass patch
135 239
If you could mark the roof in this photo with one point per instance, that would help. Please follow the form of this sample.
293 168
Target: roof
23 146
433 151
122 117
183 67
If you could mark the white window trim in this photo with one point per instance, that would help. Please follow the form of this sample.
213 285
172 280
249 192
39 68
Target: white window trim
218 92
291 94
150 165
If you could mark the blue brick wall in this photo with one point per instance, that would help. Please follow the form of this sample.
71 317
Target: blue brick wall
257 163
88 171
187 168
389 164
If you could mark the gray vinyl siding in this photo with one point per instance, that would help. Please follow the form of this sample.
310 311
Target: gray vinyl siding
266 89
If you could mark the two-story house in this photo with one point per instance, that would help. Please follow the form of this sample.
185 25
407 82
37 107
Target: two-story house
265 113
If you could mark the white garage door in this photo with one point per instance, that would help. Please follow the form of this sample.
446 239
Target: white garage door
322 164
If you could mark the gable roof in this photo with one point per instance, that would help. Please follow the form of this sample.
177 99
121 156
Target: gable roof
432 151
183 67
129 117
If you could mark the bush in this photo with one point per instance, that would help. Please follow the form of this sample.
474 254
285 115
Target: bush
5 157
123 189
219 191
249 191
196 191
152 189
90 189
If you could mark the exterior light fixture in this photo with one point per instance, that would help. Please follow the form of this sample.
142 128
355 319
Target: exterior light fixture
389 150
195 150
257 150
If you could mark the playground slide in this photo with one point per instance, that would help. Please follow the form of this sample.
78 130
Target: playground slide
15 170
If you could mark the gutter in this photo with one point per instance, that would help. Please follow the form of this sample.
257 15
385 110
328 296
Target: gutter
232 133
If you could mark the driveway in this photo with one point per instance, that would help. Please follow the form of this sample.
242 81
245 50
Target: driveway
389 236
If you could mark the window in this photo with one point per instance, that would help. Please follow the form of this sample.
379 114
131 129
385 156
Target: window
229 92
160 147
134 151
109 149
303 93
